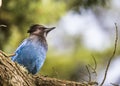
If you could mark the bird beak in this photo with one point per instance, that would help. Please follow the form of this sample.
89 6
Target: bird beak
47 30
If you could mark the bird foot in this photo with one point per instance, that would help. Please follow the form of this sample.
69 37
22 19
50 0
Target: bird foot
6 55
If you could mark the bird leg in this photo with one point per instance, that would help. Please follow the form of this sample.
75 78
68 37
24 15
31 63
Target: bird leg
11 55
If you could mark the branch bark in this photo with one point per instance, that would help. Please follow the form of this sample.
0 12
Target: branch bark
12 74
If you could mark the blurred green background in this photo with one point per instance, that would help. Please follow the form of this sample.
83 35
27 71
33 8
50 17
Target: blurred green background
84 28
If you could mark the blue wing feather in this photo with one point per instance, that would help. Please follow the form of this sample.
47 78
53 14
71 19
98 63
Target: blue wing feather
31 55
19 49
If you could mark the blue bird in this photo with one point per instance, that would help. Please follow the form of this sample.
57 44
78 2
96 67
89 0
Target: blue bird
32 51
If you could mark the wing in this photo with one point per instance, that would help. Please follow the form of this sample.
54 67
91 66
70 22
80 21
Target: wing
22 45
31 55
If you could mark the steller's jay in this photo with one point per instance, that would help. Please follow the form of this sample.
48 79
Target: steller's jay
32 51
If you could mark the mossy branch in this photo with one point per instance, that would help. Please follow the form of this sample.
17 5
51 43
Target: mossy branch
12 74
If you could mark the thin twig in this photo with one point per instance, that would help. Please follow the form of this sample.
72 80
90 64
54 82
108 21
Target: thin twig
114 51
88 73
93 69
95 62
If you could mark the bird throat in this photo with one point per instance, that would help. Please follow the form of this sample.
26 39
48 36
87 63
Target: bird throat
40 37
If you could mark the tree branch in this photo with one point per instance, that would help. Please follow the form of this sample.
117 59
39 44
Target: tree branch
113 54
12 74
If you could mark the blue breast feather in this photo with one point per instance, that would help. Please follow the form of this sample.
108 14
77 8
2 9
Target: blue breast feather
31 54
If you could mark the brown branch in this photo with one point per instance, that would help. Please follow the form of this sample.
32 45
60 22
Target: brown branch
95 62
93 69
109 61
12 74
88 73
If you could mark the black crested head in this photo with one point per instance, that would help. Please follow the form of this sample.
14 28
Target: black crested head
34 27
39 30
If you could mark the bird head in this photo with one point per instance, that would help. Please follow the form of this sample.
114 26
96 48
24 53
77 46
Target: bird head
39 30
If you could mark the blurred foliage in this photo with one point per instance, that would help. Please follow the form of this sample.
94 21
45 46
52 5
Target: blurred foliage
76 4
71 66
21 14
18 15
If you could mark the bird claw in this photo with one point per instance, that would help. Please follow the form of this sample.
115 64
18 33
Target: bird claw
11 55
6 55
